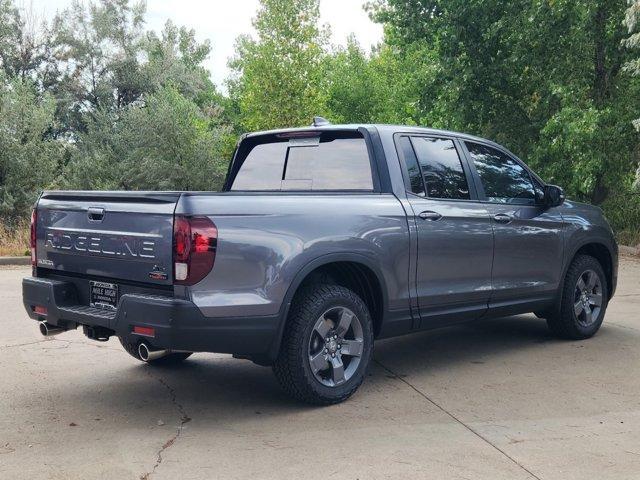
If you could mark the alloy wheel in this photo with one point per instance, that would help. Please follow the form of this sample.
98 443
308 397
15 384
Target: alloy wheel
336 346
588 298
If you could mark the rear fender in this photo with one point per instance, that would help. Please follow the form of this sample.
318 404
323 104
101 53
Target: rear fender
304 273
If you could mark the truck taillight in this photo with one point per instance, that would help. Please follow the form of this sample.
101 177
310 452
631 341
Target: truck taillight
34 221
194 248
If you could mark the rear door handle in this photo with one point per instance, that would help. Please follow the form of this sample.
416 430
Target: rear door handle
502 218
429 215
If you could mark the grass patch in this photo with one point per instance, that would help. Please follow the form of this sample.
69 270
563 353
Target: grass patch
14 239
630 238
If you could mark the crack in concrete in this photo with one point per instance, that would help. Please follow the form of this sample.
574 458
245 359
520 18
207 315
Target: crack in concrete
93 343
25 344
184 418
457 420
626 327
49 339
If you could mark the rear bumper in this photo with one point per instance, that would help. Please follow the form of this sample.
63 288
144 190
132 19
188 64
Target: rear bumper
178 324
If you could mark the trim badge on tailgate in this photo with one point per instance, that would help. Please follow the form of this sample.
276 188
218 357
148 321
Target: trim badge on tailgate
158 273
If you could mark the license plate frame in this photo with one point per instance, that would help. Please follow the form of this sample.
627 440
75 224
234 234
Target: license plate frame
103 295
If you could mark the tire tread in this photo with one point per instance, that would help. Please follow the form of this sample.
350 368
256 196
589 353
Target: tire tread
562 323
293 377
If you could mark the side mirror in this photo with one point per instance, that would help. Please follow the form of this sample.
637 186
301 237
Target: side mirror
553 196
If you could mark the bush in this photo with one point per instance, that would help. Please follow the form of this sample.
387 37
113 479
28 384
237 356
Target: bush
28 158
623 212
168 143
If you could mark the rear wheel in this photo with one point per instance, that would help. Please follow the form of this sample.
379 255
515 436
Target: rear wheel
171 359
584 300
327 345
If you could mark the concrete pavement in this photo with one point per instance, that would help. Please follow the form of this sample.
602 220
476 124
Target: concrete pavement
498 399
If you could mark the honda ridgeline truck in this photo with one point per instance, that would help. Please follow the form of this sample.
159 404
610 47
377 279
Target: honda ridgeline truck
323 240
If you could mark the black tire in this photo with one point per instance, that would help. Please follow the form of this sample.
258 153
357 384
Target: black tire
170 359
564 322
293 368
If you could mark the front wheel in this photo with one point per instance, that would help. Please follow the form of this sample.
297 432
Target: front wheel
583 302
327 345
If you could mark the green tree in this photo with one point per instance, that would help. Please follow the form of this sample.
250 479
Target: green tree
96 50
542 77
382 87
94 101
25 43
170 144
174 57
632 21
277 80
29 159
140 107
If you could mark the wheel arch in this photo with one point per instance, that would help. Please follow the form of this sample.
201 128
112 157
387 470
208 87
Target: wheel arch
600 252
354 271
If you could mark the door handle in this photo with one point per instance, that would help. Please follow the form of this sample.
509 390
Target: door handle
502 218
429 215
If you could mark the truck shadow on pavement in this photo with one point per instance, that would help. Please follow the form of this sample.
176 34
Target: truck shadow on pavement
479 341
220 390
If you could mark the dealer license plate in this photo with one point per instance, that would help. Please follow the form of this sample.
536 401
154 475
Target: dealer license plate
103 295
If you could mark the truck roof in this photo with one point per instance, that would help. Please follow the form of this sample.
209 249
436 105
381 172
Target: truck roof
381 127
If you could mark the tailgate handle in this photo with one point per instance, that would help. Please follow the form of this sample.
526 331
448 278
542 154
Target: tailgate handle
95 214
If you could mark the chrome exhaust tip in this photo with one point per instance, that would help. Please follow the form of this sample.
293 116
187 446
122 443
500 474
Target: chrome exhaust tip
47 330
146 354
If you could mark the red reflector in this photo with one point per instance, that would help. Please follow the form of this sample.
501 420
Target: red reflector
146 331
40 310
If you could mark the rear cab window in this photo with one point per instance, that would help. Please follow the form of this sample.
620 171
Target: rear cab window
307 161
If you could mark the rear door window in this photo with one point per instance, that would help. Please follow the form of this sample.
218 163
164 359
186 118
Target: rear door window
413 169
331 161
441 168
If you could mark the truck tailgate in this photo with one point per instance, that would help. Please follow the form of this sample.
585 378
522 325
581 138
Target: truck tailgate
111 235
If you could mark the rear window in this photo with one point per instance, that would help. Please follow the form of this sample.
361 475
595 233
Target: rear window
331 161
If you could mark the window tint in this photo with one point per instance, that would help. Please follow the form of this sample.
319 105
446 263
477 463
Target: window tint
319 163
339 164
504 180
415 177
262 169
441 168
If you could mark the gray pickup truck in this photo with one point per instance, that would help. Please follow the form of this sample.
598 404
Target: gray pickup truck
322 240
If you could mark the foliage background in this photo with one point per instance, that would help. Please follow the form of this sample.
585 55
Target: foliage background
93 100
